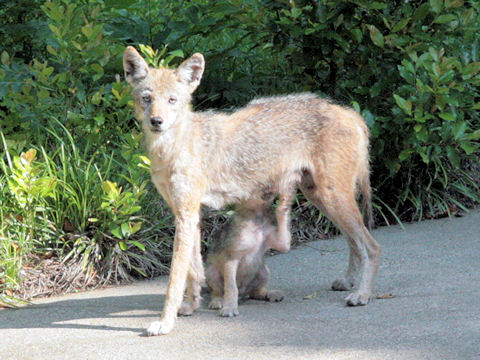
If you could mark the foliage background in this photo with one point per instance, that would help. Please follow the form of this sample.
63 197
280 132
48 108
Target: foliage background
75 191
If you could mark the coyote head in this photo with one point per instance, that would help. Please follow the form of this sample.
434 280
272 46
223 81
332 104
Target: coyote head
162 96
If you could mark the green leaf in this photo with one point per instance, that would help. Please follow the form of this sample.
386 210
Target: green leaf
123 246
405 154
55 30
453 3
116 232
436 5
452 155
400 25
87 30
43 94
51 50
134 228
137 244
423 154
447 116
48 71
5 58
421 12
467 16
375 5
376 36
177 53
470 70
357 35
469 147
110 188
446 77
338 22
459 130
403 104
125 229
446 18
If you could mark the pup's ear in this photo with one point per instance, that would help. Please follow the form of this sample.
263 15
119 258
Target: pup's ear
135 67
191 70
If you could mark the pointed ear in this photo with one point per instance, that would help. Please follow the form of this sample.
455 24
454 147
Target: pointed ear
135 67
191 70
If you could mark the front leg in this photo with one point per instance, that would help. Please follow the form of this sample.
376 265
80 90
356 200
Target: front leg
195 279
186 233
230 293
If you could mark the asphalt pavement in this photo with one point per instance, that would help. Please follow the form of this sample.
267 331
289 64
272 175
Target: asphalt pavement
426 306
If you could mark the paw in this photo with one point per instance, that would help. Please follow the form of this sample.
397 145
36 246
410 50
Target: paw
342 285
228 311
274 296
187 308
215 303
159 328
356 299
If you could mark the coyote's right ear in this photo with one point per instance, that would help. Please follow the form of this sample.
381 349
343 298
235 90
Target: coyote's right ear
136 68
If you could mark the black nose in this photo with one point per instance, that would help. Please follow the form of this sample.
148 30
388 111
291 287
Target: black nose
156 121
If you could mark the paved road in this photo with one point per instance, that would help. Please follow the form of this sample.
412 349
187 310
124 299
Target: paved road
431 269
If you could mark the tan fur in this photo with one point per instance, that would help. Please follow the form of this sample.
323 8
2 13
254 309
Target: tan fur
214 159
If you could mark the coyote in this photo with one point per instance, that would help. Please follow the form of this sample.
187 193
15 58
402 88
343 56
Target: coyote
215 158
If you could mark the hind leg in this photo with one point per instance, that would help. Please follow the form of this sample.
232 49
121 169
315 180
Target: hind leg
350 279
339 205
282 213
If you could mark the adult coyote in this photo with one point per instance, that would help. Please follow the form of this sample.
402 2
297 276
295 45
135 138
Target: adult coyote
215 158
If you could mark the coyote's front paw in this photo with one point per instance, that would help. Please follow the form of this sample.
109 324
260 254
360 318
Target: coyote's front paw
159 328
357 299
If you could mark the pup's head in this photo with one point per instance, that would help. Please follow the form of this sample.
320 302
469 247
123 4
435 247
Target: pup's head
161 95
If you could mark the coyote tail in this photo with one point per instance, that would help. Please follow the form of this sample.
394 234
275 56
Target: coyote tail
366 192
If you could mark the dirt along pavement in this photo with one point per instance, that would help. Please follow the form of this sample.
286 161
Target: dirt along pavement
427 306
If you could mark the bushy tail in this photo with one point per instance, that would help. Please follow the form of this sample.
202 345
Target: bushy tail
366 192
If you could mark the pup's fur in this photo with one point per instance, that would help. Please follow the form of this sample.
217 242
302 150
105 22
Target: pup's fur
216 158
235 262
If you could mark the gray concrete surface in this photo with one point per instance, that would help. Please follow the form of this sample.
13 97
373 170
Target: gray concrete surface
431 269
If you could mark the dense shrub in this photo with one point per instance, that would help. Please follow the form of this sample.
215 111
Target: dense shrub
73 178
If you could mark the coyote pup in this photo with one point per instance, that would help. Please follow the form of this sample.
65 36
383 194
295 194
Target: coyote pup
215 158
235 263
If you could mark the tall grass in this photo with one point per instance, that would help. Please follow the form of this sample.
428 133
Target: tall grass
85 207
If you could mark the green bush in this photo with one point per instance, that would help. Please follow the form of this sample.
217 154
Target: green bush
74 181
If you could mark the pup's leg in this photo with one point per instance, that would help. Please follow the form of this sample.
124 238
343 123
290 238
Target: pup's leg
258 287
230 293
215 284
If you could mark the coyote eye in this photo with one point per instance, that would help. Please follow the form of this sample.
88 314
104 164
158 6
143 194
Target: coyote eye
172 99
147 99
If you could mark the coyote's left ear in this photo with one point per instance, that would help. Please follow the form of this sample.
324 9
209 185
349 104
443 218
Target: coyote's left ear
191 70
